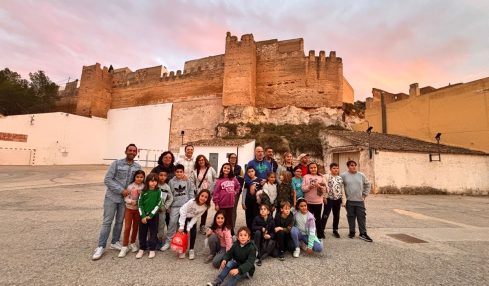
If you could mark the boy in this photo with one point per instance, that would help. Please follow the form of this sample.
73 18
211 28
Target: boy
182 191
166 201
248 199
284 222
239 261
264 233
334 198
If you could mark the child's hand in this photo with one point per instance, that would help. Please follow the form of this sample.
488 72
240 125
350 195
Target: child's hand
133 203
144 221
263 229
343 205
223 264
160 210
267 236
125 193
209 232
234 272
244 206
309 250
216 208
278 228
180 230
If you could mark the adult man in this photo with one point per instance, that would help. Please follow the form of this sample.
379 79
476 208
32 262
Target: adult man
118 177
188 161
261 166
303 163
357 188
269 158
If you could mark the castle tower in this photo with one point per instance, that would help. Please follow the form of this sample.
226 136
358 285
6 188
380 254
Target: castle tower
239 85
94 95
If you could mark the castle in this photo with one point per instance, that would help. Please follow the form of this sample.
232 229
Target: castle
261 74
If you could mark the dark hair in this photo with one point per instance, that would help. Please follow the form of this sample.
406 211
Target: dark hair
287 177
231 174
284 203
131 145
231 154
250 167
350 162
333 165
188 145
214 225
160 159
245 229
197 166
137 173
299 201
309 168
179 167
150 177
298 167
268 147
208 202
264 205
269 174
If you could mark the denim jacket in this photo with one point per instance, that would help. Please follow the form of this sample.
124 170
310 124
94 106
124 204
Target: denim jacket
118 177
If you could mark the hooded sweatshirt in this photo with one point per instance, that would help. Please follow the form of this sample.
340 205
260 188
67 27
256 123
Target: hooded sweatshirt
225 238
307 226
182 191
244 255
190 210
259 223
225 191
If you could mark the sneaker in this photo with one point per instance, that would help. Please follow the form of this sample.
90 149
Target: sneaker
258 262
152 254
133 247
140 254
123 252
191 254
99 251
203 229
365 237
351 235
165 246
116 246
336 234
281 256
216 282
297 252
209 258
181 255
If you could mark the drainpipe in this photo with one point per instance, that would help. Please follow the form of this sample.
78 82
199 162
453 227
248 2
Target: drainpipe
384 113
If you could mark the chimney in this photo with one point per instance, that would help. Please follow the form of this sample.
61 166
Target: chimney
413 90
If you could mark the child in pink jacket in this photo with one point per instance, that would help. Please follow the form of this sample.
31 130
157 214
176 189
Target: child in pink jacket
225 190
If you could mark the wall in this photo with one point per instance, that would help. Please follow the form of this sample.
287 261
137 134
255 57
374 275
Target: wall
454 173
94 94
460 113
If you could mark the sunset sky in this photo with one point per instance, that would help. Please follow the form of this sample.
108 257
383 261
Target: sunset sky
384 44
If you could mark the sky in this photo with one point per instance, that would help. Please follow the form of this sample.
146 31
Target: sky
384 44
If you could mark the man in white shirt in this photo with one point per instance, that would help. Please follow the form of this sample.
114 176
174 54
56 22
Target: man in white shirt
188 160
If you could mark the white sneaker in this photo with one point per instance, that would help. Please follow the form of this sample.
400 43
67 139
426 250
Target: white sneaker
191 254
123 252
140 254
297 252
116 246
181 255
166 246
151 254
133 247
99 251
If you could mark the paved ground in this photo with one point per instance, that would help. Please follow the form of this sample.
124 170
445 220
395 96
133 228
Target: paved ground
51 218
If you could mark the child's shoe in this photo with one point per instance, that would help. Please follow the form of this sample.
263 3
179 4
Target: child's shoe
281 256
123 252
133 247
181 255
258 262
365 237
99 251
191 254
209 258
165 246
216 282
336 234
116 246
152 254
140 254
297 252
351 235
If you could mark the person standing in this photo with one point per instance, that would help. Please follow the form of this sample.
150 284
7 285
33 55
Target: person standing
334 198
357 188
117 179
238 174
303 163
166 163
261 166
188 161
269 158
287 166
203 177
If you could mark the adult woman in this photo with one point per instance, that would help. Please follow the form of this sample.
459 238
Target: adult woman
238 173
288 160
165 163
203 177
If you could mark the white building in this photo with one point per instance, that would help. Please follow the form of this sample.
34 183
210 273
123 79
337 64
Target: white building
397 164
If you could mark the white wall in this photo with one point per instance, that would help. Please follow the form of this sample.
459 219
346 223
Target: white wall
454 173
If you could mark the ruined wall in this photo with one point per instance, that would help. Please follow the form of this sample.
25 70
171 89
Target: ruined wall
94 94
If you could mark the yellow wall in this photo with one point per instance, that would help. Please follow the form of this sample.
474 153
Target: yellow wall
460 113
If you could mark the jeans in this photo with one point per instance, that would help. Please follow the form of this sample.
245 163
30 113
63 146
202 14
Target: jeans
297 236
334 205
225 271
216 250
356 210
111 210
172 226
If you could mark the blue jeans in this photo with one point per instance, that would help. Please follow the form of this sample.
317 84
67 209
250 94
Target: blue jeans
225 271
111 210
298 236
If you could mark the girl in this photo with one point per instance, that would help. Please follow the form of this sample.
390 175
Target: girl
225 190
203 177
304 230
239 261
131 216
189 214
284 190
248 200
264 233
149 203
220 240
287 166
284 222
314 187
269 193
297 183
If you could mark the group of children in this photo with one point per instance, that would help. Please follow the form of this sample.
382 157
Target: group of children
297 202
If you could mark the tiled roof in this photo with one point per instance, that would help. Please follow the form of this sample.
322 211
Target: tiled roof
221 142
398 143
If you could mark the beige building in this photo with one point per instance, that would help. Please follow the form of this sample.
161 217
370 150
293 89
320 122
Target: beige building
397 164
460 112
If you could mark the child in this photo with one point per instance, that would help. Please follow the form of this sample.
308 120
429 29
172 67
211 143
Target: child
269 193
189 214
225 190
264 233
284 190
314 187
219 238
166 201
297 183
182 191
335 197
284 222
304 230
239 261
248 200
149 202
131 216
203 177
